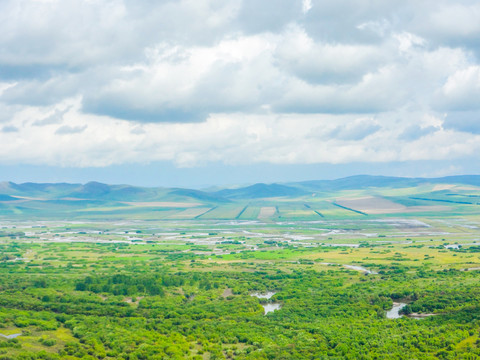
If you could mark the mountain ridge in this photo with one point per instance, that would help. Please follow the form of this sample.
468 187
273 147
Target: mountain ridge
96 190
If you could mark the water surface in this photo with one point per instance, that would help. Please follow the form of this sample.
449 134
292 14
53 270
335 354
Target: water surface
271 307
394 312
267 295
360 268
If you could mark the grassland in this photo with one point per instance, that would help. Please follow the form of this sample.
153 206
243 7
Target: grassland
173 280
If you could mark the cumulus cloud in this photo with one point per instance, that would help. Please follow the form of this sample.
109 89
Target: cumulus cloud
453 23
193 81
232 139
461 91
323 62
306 6
179 84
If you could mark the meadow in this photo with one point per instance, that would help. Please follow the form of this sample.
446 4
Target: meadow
190 279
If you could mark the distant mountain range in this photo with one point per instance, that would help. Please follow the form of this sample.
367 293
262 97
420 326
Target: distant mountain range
97 191
369 181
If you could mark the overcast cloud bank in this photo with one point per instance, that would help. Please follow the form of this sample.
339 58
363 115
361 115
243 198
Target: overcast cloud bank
99 83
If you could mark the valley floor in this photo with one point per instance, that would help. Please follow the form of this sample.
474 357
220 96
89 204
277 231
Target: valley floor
238 289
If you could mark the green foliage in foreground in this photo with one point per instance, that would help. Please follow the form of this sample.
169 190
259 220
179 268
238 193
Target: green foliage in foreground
107 291
331 314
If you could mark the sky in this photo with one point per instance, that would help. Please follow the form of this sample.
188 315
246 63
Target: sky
211 92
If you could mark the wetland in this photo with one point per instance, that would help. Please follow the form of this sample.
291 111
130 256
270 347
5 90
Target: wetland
277 283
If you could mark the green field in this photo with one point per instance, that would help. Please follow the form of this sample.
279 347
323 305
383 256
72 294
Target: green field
174 279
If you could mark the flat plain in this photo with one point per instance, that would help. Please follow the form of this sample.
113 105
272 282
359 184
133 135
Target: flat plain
312 275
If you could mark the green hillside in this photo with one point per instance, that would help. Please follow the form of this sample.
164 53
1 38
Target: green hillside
371 196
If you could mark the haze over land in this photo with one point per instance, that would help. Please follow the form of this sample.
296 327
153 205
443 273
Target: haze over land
356 196
193 93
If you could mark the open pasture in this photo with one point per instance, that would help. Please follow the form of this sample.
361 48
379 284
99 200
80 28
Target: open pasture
372 205
173 278
176 285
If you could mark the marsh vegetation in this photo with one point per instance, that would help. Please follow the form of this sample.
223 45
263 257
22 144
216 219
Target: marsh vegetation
353 287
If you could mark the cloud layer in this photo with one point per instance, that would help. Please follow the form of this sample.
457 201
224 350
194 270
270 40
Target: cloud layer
97 83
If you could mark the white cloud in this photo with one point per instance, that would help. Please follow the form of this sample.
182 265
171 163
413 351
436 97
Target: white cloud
456 19
322 62
242 81
461 91
408 40
88 140
379 27
306 6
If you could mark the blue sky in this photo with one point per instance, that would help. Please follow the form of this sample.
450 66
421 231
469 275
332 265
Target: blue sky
202 92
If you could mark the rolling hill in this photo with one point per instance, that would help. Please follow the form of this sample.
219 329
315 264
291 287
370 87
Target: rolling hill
257 191
307 200
100 191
